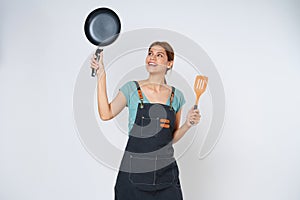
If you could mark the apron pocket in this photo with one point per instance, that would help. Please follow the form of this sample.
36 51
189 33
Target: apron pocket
142 170
152 173
166 173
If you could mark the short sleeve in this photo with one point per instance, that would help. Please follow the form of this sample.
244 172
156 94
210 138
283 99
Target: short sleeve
127 90
180 100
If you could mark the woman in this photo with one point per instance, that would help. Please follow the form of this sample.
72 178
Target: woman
148 169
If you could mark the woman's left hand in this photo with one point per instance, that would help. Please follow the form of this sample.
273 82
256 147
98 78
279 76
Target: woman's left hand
193 117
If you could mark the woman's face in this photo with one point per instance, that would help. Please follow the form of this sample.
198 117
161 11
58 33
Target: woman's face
157 60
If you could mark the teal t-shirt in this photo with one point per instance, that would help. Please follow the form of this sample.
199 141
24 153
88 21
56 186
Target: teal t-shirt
130 91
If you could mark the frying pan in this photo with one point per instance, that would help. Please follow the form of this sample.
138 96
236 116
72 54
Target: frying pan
102 27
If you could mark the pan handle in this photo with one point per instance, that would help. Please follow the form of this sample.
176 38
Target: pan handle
97 54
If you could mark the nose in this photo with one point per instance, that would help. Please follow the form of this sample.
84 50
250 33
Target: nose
152 57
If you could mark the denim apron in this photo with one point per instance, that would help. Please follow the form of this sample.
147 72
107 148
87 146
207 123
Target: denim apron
148 168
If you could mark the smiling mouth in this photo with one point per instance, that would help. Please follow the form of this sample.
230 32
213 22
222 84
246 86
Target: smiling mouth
152 64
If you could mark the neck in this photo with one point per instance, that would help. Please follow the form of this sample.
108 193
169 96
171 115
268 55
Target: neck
155 81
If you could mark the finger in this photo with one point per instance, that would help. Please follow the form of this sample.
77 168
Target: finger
196 111
93 60
93 65
195 115
95 68
195 118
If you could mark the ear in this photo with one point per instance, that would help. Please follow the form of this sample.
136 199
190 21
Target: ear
170 64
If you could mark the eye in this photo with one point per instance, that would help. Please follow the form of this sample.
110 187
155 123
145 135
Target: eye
159 55
149 53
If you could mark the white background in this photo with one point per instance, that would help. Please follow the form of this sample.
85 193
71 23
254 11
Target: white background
254 45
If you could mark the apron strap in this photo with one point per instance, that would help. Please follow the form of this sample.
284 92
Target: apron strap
139 93
142 99
172 97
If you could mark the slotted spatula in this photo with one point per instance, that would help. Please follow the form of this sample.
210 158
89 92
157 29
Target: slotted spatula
199 87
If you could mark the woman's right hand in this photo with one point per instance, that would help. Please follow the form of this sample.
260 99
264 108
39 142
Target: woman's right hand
193 117
98 66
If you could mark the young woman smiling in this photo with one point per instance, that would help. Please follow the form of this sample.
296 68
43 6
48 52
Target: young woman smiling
148 169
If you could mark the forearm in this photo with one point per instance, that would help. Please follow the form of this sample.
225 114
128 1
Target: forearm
179 133
104 109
